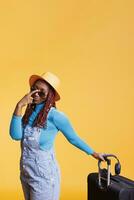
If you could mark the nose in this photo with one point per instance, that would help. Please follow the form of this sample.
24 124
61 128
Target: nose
36 94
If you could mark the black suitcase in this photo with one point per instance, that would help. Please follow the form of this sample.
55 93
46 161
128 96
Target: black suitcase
104 186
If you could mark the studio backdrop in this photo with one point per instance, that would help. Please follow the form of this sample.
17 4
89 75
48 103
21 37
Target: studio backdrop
89 45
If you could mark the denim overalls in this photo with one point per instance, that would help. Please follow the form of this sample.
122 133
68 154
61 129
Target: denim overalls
39 170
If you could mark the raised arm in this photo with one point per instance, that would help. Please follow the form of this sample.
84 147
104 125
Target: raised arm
16 130
16 127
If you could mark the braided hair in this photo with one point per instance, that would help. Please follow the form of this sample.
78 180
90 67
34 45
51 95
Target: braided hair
40 120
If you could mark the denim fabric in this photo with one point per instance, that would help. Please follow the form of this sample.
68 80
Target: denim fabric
39 170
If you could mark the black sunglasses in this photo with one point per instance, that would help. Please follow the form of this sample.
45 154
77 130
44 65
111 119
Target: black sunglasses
40 93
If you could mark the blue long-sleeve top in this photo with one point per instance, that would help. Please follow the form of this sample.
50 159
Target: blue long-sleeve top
56 121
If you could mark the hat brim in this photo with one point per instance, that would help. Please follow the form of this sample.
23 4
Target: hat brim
34 78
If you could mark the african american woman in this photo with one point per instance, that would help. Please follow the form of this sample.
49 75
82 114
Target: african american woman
36 130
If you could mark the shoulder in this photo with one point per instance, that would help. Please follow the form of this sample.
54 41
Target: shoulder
57 113
58 116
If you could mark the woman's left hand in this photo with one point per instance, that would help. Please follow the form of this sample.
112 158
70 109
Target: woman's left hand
99 156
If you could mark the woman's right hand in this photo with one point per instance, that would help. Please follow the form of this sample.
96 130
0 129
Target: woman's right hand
27 99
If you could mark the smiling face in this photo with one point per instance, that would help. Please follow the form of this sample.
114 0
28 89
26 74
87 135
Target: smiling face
41 96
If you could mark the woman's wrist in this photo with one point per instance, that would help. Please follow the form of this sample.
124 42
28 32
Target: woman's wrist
94 154
19 104
98 156
18 109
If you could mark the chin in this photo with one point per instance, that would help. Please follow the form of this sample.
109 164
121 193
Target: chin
37 101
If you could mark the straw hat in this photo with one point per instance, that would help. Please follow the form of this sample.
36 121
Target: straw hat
50 78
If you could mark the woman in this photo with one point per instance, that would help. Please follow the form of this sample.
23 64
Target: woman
37 129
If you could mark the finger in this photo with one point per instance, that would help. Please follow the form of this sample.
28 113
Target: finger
30 100
101 157
32 92
104 155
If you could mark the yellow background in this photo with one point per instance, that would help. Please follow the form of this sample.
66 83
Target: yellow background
89 44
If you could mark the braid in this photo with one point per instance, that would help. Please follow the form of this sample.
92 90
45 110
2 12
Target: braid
27 114
40 120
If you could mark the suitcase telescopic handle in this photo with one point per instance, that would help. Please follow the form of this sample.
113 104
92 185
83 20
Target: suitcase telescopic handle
108 172
117 168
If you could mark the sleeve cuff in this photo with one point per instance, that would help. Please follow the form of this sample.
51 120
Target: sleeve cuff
17 116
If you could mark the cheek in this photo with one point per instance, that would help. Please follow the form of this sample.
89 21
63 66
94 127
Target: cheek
45 97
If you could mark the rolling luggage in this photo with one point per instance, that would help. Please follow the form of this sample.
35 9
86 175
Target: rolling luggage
105 186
